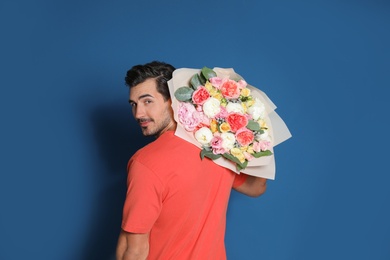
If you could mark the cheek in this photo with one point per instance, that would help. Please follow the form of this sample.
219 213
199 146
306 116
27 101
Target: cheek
166 110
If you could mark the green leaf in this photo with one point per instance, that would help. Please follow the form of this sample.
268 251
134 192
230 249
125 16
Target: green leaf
253 125
202 79
209 154
184 94
196 81
262 153
208 73
244 99
239 164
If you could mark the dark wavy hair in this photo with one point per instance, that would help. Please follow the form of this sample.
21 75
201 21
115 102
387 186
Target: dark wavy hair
160 71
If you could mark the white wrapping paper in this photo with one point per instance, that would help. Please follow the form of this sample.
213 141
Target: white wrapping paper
260 167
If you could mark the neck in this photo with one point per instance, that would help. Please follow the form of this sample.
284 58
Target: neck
170 127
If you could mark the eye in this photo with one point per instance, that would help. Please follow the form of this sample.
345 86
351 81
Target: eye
132 104
147 101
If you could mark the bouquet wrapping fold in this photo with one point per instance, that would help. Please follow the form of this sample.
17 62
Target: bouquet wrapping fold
260 167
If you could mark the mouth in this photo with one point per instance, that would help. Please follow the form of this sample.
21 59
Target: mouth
144 122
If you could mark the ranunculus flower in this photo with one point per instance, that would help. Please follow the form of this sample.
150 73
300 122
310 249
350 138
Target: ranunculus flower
204 136
236 121
228 140
257 110
230 89
216 145
214 126
235 107
188 116
224 127
208 86
217 95
200 95
244 136
250 149
211 107
236 152
262 123
245 92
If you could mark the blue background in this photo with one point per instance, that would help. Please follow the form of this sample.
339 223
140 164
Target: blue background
67 130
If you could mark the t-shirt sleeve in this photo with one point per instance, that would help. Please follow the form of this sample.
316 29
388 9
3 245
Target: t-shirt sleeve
143 199
239 179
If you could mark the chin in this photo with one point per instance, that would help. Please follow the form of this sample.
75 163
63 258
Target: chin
147 132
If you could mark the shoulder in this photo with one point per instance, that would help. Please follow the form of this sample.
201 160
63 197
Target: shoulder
164 150
165 144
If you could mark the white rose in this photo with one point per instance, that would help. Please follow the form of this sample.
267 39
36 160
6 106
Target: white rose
228 140
204 136
235 108
264 136
211 107
257 110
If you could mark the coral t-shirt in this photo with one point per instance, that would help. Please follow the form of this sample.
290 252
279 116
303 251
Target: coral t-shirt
179 198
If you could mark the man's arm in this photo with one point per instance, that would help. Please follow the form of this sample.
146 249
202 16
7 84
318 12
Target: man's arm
253 186
132 246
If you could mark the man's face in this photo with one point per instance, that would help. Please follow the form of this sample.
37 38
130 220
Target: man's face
152 113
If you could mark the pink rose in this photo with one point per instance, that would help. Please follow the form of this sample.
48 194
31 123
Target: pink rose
200 95
230 89
216 82
242 84
244 136
236 121
188 116
203 118
222 114
216 145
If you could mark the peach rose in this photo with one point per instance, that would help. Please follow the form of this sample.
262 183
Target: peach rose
236 121
230 89
244 136
200 95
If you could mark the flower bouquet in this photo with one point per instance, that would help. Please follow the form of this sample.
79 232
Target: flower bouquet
230 121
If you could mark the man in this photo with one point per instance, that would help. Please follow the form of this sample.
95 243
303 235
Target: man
176 203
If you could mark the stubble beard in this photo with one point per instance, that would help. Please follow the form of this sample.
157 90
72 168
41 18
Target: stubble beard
155 130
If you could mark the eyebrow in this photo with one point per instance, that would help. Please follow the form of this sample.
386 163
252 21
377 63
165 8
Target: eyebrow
141 97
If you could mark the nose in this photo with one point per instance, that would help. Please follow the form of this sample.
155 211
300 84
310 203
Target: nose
138 111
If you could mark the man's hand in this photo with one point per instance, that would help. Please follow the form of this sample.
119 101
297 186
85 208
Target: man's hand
132 246
253 186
